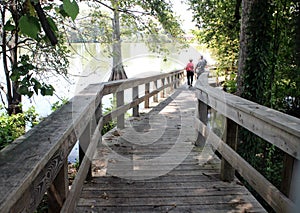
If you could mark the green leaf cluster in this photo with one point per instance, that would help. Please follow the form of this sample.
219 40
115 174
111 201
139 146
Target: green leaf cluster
30 24
58 104
13 126
151 22
28 85
218 28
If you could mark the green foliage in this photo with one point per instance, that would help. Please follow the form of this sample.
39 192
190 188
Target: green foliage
219 26
151 22
28 85
29 23
272 73
230 85
263 156
257 67
13 126
30 26
58 104
33 47
71 8
110 125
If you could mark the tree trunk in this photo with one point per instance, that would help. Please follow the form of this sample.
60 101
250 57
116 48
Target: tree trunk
246 9
14 99
118 71
297 38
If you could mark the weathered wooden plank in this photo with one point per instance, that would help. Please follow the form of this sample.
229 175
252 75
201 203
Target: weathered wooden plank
128 185
155 192
232 200
206 176
124 108
216 208
115 86
277 128
268 191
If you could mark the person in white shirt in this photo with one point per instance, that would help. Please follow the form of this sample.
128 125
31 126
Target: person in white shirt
200 67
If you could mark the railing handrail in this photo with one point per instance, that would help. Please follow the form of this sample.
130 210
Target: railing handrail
287 127
29 166
277 128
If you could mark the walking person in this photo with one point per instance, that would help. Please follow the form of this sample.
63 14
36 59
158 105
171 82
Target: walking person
190 72
200 67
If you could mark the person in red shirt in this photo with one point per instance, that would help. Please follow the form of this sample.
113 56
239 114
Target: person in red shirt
190 72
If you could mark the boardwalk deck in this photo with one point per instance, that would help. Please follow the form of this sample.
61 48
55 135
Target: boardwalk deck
153 166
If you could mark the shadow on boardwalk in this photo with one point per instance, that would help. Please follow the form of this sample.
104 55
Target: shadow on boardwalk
153 166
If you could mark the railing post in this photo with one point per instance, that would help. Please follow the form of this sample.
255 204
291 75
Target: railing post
169 90
162 94
180 76
147 91
227 171
289 178
120 102
84 141
174 80
155 97
58 190
202 115
135 95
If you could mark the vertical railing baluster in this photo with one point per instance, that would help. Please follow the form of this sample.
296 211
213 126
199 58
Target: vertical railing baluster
84 141
58 190
135 96
202 115
162 94
227 171
120 102
155 97
147 91
289 178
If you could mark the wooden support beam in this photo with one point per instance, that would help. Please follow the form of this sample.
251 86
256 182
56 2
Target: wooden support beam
289 177
227 171
162 94
202 114
155 97
84 142
120 102
58 190
135 96
147 91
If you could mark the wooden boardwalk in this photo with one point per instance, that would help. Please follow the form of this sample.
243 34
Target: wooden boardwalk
153 166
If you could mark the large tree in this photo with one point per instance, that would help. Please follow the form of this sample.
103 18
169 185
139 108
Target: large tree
268 63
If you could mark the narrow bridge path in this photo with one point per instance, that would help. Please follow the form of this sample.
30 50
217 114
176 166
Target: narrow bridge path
153 165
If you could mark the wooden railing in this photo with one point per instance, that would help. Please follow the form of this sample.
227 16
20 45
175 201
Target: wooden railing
37 162
277 128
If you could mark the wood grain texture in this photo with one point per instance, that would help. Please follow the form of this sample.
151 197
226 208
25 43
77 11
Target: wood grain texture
152 182
41 153
277 200
273 126
43 150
